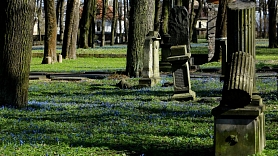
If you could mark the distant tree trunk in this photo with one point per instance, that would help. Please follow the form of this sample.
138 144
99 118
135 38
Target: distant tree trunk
60 9
125 19
141 22
165 17
85 24
92 31
191 20
71 30
114 21
16 37
50 32
156 15
197 15
120 23
221 28
39 4
265 11
103 21
272 8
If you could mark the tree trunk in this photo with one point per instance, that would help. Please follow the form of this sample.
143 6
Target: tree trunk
221 29
191 20
39 4
114 22
104 10
198 13
60 9
272 8
50 32
186 3
92 26
120 24
125 19
156 16
165 17
85 24
71 30
16 37
141 22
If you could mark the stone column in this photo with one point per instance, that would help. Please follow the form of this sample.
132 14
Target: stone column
239 120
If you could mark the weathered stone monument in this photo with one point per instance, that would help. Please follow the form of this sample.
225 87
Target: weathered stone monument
180 53
150 74
239 119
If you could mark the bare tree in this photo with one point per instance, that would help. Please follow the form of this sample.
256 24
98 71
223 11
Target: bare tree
16 37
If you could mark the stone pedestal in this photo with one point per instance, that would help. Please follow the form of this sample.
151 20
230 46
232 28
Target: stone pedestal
239 131
150 74
180 69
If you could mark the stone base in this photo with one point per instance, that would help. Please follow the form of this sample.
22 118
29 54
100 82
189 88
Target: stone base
239 131
148 82
191 95
165 66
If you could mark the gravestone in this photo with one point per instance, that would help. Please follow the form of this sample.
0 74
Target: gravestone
180 69
180 53
164 65
150 74
239 120
211 28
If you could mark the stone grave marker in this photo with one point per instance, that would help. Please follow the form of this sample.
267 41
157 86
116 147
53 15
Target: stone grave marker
180 69
150 74
180 53
239 120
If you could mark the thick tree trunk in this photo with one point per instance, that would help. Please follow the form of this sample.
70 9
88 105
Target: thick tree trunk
114 22
85 24
272 8
50 32
16 37
141 22
71 29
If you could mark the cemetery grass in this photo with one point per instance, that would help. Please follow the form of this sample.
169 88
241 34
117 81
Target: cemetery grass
94 117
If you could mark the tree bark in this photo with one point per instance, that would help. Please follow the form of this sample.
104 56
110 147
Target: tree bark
197 15
16 37
272 30
141 22
125 19
165 17
60 9
156 15
92 31
71 30
221 29
85 24
114 22
50 32
104 10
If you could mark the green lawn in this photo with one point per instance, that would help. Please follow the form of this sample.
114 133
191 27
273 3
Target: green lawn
93 117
